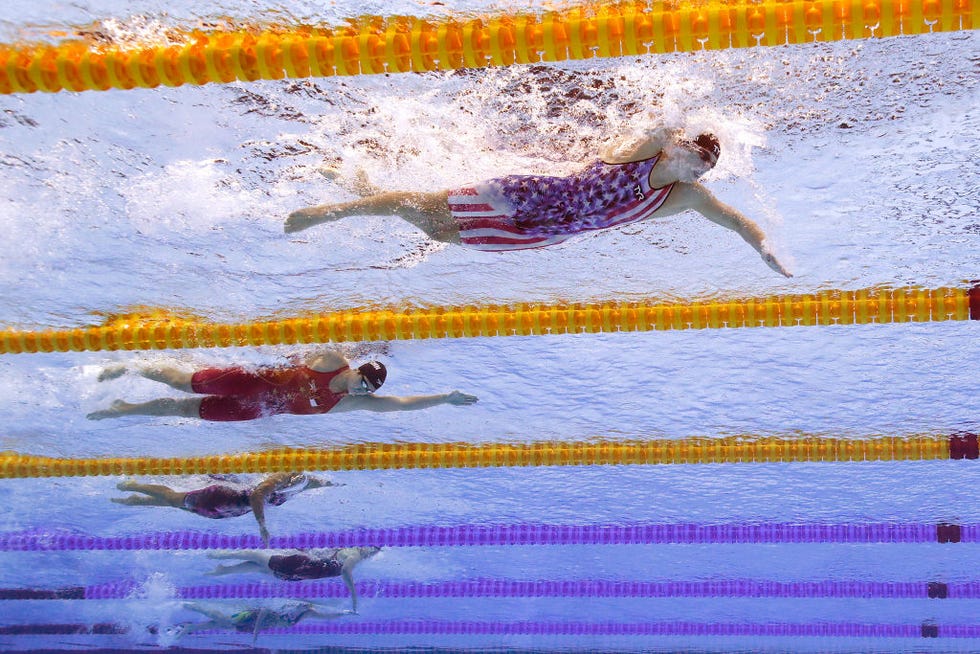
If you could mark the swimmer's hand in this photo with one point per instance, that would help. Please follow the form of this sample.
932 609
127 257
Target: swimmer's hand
298 221
460 399
308 217
773 263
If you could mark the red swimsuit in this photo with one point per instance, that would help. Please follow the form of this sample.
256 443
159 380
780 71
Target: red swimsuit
221 501
239 394
297 567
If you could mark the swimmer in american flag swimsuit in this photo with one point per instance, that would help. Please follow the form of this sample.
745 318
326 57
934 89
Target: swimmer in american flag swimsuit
224 500
325 383
644 178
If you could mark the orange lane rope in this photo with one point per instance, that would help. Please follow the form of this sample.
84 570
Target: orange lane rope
375 44
376 456
163 331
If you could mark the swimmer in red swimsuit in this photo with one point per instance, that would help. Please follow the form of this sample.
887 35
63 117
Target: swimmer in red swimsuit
298 565
222 500
632 181
324 384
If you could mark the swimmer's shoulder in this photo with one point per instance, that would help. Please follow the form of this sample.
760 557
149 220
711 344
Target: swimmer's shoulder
328 361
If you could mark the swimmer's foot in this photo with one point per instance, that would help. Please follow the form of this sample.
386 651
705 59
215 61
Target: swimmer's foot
112 372
130 500
221 570
127 485
221 554
116 409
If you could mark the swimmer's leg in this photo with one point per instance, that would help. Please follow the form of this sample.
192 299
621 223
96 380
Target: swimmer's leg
191 627
217 618
172 377
244 566
427 211
168 375
158 495
260 557
186 408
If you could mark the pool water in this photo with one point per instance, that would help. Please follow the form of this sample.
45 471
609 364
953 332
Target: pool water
857 158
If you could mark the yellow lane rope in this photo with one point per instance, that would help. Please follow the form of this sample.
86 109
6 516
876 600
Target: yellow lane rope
164 331
374 44
377 456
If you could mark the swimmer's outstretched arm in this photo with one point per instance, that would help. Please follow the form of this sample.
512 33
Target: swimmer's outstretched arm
701 200
386 404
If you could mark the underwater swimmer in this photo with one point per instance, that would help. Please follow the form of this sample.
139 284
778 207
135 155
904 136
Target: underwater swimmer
223 500
298 565
253 620
324 384
632 181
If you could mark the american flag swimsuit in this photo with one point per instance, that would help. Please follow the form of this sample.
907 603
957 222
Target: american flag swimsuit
522 212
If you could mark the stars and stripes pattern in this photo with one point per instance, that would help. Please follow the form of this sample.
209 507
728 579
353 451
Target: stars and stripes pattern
484 226
523 212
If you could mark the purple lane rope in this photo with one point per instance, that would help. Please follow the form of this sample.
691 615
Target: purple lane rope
510 588
577 629
509 534
678 628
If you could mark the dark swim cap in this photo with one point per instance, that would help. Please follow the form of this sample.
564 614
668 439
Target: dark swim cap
375 372
709 143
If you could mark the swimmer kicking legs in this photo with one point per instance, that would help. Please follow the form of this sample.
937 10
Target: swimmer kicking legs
152 495
428 212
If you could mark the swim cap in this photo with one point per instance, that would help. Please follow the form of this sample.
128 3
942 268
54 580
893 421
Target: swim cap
375 372
709 143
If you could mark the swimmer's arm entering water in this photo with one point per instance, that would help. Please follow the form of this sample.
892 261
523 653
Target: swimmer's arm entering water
258 496
638 148
387 403
697 197
327 361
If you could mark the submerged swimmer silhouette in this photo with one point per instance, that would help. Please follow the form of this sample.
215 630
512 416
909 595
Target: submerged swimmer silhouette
224 500
632 181
248 620
324 384
298 565
254 620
